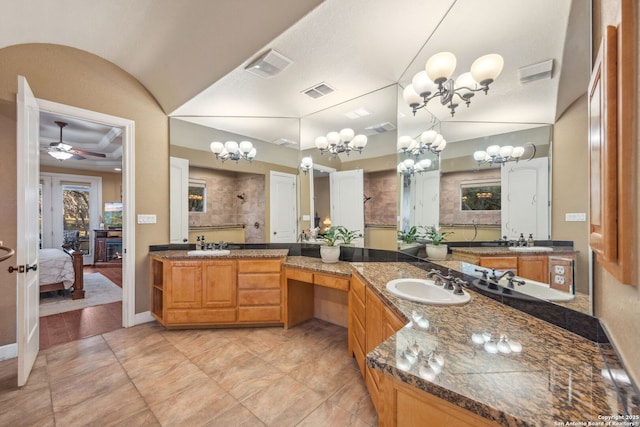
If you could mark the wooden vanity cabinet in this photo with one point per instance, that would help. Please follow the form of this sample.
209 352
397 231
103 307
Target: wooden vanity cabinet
259 291
534 267
197 292
357 321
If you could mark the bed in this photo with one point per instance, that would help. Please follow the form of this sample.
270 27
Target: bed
61 269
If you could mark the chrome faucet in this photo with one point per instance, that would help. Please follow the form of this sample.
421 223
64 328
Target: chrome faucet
440 280
511 280
497 278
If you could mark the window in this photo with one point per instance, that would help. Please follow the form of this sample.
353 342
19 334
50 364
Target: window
197 196
480 196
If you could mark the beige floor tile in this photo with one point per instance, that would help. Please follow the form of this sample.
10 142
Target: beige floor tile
62 353
353 397
290 357
159 358
193 343
159 385
323 377
237 416
284 403
193 406
247 377
113 407
26 406
330 415
142 418
221 359
89 359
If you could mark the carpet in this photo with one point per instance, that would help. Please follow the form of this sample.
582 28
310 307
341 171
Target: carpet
98 290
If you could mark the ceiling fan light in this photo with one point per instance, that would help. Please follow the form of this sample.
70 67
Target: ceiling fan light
441 66
423 85
347 134
487 68
411 97
321 143
63 146
60 155
245 147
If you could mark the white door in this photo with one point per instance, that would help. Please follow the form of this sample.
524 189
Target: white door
27 147
178 200
525 199
347 201
425 195
282 202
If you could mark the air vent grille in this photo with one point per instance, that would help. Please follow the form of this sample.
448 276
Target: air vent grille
381 128
268 64
539 71
319 90
283 142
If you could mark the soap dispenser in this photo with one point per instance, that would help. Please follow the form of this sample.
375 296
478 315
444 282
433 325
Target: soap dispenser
521 241
530 241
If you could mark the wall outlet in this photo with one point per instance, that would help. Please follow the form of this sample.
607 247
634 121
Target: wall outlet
559 269
559 280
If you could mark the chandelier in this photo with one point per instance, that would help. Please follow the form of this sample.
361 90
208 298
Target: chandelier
344 141
435 81
306 164
231 150
410 167
430 141
501 155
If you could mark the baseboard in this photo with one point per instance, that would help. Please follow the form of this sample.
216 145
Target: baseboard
8 351
144 317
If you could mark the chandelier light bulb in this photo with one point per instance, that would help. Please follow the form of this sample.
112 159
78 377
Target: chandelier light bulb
424 163
411 97
408 163
321 142
423 85
506 151
479 156
347 134
245 147
333 138
487 68
465 85
401 167
359 141
404 142
517 152
216 147
414 144
307 162
231 147
442 145
428 137
441 66
252 153
493 150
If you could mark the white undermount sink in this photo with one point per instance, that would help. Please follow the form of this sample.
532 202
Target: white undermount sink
425 291
210 252
530 249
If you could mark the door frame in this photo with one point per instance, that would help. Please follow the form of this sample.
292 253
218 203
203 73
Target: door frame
128 195
273 205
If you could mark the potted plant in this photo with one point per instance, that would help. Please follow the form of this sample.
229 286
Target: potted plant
435 249
407 241
408 236
347 238
330 253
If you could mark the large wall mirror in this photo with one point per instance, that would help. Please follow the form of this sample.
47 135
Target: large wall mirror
549 114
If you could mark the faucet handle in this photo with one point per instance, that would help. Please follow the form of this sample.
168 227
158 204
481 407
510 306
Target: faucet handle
458 287
485 273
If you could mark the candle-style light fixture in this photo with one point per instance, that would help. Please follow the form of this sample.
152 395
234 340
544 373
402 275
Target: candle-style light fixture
430 141
436 81
344 141
501 155
231 150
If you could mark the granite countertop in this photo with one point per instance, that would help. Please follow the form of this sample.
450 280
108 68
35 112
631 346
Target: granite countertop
557 377
340 268
234 253
503 250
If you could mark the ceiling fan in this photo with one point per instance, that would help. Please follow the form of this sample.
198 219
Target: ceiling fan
61 151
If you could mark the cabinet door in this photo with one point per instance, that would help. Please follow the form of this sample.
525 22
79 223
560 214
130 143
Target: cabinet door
373 327
184 284
500 262
534 268
219 284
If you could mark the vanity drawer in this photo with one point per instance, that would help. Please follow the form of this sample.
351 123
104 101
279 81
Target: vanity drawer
331 281
300 275
358 333
259 297
260 314
259 265
358 287
357 307
259 281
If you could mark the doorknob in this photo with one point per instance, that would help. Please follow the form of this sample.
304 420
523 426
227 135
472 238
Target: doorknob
33 267
275 232
185 240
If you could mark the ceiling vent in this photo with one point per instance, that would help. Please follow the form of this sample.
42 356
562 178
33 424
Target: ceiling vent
268 64
539 71
381 128
319 90
283 142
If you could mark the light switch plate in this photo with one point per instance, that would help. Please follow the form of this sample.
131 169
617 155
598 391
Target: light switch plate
575 217
146 219
306 217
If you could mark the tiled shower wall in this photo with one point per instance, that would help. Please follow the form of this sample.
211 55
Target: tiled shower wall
381 208
450 212
232 198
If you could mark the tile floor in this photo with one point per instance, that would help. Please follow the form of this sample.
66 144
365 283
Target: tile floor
147 375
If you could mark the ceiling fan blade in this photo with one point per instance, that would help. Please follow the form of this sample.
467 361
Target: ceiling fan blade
78 157
87 153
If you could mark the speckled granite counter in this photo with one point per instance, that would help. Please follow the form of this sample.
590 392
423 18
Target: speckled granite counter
503 250
557 377
341 268
240 253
